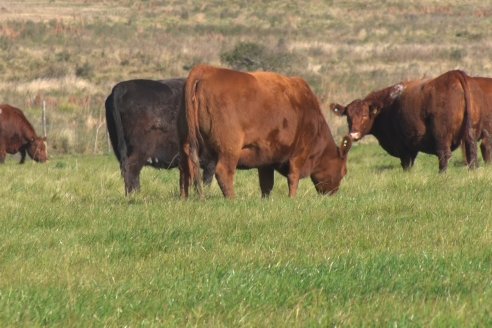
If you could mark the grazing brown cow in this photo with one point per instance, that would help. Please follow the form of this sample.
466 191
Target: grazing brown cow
18 135
432 116
258 120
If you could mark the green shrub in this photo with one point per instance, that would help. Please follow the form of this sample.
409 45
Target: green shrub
246 56
84 70
251 56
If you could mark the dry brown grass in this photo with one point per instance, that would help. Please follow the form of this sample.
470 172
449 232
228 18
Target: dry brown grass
64 50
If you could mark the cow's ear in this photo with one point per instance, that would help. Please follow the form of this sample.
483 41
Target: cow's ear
374 110
345 146
338 109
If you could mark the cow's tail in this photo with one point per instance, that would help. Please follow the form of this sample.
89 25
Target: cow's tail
115 130
469 134
191 148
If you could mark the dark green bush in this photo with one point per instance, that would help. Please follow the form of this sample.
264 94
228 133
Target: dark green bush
251 56
84 70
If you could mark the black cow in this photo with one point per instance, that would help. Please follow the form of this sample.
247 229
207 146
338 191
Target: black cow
141 118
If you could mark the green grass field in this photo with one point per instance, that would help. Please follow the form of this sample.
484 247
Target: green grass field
392 248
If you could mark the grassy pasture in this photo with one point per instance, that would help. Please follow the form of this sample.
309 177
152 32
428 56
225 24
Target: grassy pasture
392 248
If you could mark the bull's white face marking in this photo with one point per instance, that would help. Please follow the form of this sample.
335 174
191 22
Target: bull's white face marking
355 135
149 160
397 90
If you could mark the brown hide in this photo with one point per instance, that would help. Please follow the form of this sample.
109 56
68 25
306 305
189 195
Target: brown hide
18 135
432 116
258 120
484 102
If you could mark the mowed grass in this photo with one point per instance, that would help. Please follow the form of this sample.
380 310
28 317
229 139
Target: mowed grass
392 248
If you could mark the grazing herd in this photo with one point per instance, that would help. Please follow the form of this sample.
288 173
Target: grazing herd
219 120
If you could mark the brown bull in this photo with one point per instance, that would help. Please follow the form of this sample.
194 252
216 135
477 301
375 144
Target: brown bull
432 116
18 135
258 120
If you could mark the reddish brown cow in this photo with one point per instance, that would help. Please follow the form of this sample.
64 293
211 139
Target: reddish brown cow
18 135
258 120
432 116
485 104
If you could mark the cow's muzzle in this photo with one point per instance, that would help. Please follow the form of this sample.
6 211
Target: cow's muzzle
355 135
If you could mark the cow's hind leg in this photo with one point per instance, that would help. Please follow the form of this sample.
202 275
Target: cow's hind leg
2 157
471 153
486 147
130 170
184 178
266 175
3 153
224 173
23 155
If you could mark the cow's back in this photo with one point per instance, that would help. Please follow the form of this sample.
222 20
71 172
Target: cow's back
15 129
148 110
407 124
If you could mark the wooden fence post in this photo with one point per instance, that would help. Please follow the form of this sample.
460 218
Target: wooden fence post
44 118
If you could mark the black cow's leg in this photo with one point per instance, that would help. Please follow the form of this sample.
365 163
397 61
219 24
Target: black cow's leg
131 174
266 175
23 156
184 177
208 172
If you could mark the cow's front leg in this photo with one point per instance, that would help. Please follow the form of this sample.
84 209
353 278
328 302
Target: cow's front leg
266 176
407 161
444 155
